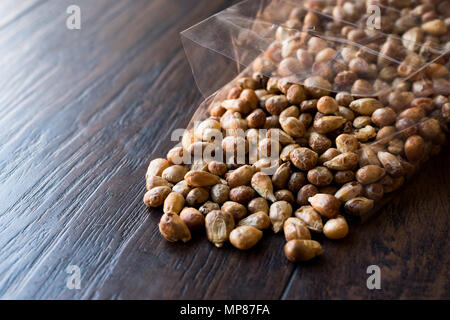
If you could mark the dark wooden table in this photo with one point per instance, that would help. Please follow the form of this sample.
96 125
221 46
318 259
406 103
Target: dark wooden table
83 112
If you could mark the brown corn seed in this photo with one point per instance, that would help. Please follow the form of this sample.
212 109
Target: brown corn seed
370 174
320 176
296 181
245 237
156 167
156 196
197 196
193 218
220 193
219 225
208 206
278 213
173 203
237 210
259 220
294 228
156 181
349 191
173 228
359 206
242 194
302 250
326 204
257 205
262 184
304 158
336 228
198 178
310 218
344 161
217 168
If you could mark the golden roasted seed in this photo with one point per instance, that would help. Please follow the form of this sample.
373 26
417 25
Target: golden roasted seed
344 161
208 206
193 218
327 124
305 193
175 155
295 94
320 176
361 122
219 225
174 173
302 250
281 177
285 195
374 191
304 158
237 210
200 178
257 205
310 218
242 194
156 196
346 143
235 144
241 176
156 181
207 129
173 203
279 135
327 205
294 228
328 155
384 116
156 167
276 104
217 168
327 105
359 206
182 188
336 228
366 133
286 151
245 237
296 181
342 177
237 105
370 174
365 106
293 126
414 148
197 196
259 220
256 119
173 228
391 164
349 191
319 142
220 193
262 184
367 156
278 214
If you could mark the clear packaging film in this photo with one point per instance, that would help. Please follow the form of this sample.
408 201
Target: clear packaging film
394 51
267 65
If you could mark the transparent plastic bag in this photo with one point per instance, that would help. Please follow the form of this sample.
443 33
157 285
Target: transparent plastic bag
383 50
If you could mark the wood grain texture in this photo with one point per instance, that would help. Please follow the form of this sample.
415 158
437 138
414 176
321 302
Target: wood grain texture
83 112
